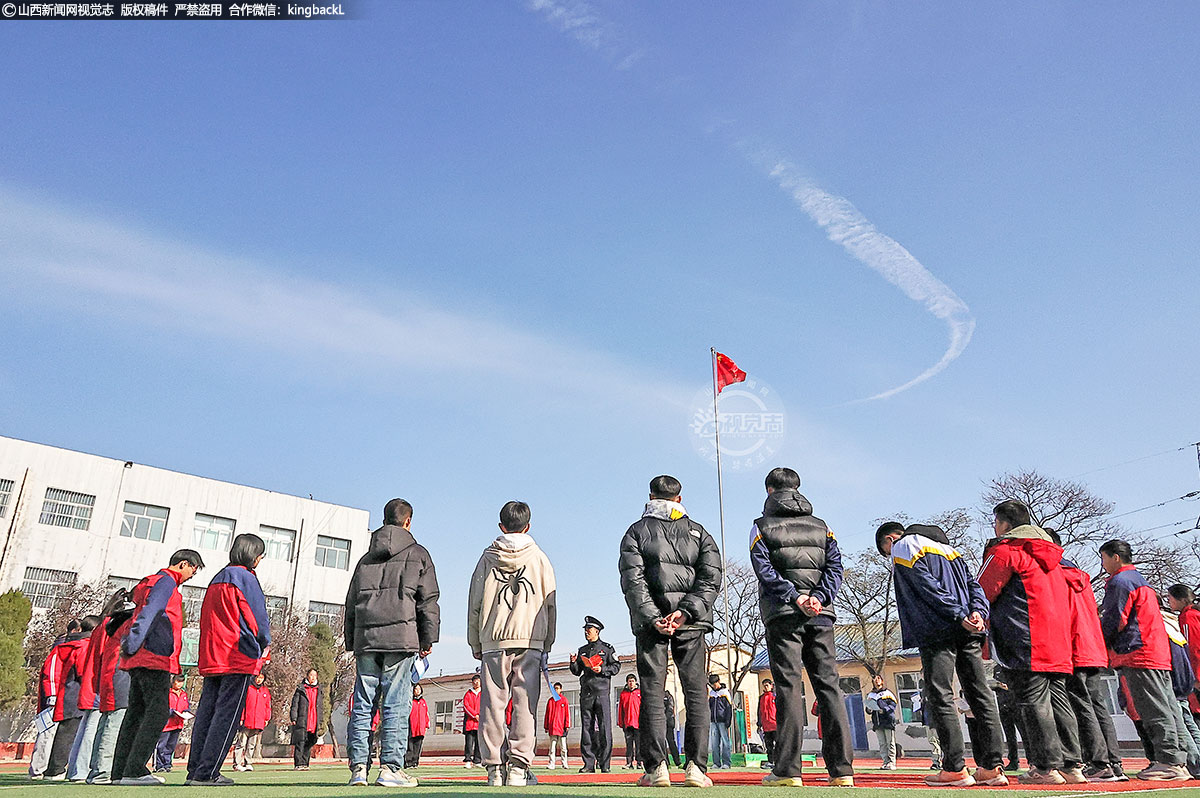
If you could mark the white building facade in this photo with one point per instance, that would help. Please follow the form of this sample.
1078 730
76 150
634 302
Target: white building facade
68 519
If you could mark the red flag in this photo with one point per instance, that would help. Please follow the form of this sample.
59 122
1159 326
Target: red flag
727 371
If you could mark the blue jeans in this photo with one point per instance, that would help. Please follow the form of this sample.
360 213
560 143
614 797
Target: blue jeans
719 746
390 677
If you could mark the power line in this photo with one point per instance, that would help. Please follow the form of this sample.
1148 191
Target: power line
1185 497
1140 459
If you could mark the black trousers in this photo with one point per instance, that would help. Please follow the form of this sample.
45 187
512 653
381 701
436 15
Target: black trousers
412 757
1097 738
217 720
769 744
791 641
148 710
1053 733
964 656
60 751
1010 721
672 746
471 747
631 747
687 650
302 751
595 724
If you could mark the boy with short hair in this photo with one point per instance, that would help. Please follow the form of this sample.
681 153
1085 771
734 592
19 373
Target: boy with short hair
799 568
1139 648
883 720
177 700
629 704
766 721
511 620
943 613
150 652
558 720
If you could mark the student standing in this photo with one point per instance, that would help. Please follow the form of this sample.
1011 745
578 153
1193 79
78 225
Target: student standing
595 663
672 745
511 620
305 716
670 573
47 699
1023 579
72 654
556 723
720 714
943 613
392 619
112 686
883 720
1182 600
235 634
255 717
1138 647
629 704
87 702
177 700
150 652
799 568
418 724
470 704
767 723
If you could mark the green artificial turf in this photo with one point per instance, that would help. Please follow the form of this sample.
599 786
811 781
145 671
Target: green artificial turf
270 781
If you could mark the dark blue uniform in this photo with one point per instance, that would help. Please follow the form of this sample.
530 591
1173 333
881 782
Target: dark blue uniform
595 705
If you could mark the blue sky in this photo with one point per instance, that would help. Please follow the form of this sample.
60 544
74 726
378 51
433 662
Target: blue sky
468 252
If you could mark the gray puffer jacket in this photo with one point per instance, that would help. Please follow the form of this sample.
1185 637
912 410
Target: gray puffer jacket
669 562
392 603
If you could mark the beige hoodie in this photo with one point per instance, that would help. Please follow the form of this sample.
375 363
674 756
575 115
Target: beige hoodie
512 603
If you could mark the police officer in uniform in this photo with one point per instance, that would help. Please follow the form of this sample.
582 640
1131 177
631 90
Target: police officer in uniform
595 664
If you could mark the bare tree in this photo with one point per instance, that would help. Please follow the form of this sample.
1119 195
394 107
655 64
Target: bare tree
869 626
1080 517
745 625
46 626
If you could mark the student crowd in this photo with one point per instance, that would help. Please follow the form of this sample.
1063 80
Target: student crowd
115 698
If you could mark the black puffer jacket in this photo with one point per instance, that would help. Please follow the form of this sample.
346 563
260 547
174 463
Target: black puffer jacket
793 553
392 603
669 564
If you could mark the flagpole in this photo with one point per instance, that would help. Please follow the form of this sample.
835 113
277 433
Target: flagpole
721 516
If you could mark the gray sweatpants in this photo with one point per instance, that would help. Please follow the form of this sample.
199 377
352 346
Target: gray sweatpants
516 674
41 751
1155 701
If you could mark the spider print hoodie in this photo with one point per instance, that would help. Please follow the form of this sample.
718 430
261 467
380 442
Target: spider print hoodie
512 603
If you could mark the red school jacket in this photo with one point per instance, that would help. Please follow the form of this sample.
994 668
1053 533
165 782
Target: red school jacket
470 711
112 683
628 707
234 628
558 717
1030 621
1132 623
1189 624
71 654
155 636
89 697
766 712
1087 641
178 702
418 718
257 713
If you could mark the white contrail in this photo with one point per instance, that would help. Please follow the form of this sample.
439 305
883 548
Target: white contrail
845 225
581 22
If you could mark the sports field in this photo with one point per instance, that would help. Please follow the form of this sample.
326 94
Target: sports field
280 781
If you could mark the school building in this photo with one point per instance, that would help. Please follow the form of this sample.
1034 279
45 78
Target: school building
69 519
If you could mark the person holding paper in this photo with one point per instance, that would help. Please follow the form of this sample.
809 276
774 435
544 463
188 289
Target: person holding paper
177 699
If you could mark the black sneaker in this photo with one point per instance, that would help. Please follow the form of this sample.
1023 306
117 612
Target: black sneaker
587 770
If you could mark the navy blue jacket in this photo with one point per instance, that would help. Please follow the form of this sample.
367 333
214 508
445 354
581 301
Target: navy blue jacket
934 589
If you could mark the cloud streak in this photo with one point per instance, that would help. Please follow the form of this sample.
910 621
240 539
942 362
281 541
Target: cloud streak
148 280
584 24
843 223
846 226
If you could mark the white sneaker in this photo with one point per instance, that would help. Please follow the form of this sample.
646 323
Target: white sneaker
495 776
394 777
1160 771
149 780
693 776
248 767
552 764
659 777
358 776
520 777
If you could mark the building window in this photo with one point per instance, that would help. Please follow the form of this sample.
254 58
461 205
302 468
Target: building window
193 600
6 488
333 552
908 685
45 586
443 717
280 542
116 583
213 532
277 607
572 697
144 522
328 614
65 508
